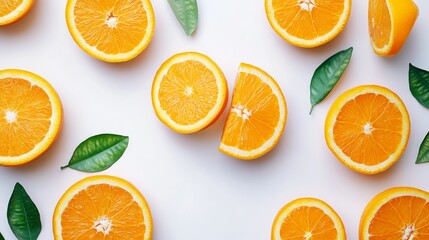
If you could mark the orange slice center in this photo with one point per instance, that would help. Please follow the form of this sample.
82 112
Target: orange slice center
379 23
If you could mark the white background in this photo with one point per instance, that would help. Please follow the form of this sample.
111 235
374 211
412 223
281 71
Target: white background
194 191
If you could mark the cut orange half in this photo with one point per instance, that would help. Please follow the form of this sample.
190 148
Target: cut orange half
112 31
307 218
308 23
397 213
257 115
30 116
367 128
13 10
390 22
189 92
102 207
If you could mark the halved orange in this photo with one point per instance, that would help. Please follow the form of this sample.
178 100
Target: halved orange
102 207
390 22
367 128
112 31
13 10
308 23
189 92
257 115
397 213
30 116
307 218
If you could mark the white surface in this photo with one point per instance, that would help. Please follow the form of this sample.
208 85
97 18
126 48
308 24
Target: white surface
194 191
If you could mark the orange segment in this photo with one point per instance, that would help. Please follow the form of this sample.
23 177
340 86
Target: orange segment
397 213
367 128
189 92
112 31
257 115
13 10
308 23
389 23
307 218
30 116
102 207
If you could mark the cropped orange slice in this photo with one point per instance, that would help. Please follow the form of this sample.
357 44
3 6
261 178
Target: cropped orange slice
390 22
13 10
307 218
308 23
367 128
30 116
397 213
102 207
257 115
112 31
189 92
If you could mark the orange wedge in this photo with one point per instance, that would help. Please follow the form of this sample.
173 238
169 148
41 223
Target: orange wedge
390 22
30 116
13 10
307 218
257 115
308 23
189 92
367 128
112 31
397 213
102 207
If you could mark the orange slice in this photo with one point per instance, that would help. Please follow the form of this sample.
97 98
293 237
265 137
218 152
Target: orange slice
397 213
367 128
390 22
189 92
308 23
112 31
30 116
257 115
307 218
102 207
13 10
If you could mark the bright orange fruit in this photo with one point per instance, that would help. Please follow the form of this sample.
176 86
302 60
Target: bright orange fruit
257 115
30 116
307 218
189 92
111 30
102 207
13 10
398 213
308 23
367 128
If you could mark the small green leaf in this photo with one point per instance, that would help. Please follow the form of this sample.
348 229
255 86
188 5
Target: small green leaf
98 153
327 75
419 84
1 237
22 215
186 12
423 155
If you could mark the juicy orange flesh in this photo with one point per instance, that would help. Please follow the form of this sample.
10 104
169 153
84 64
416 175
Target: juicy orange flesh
188 92
7 6
304 24
80 218
396 215
379 23
376 115
25 112
307 220
254 114
127 20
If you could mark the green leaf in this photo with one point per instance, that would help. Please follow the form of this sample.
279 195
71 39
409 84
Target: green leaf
1 237
419 84
186 12
423 155
327 75
98 153
22 215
